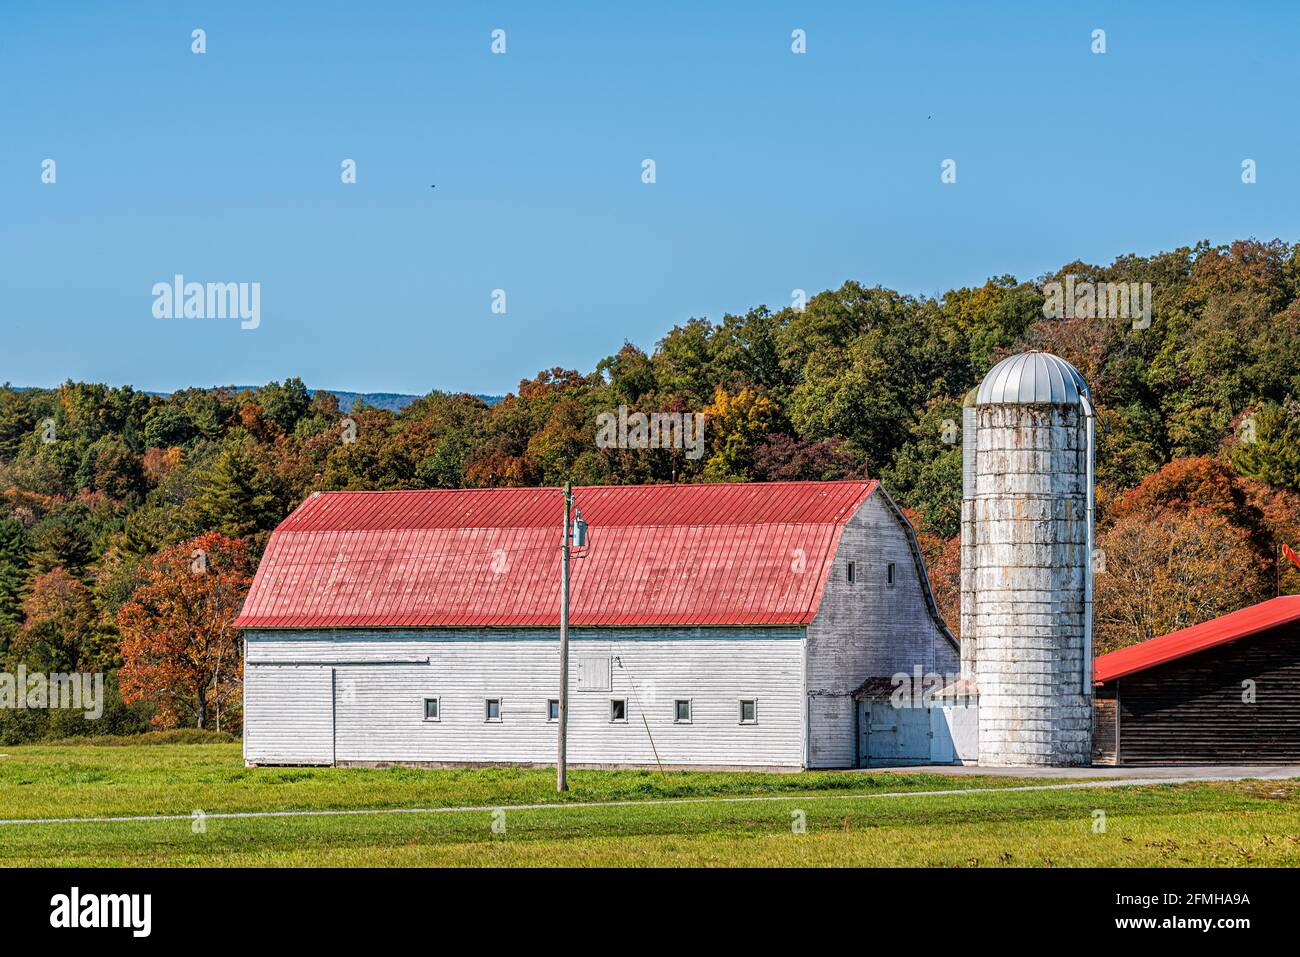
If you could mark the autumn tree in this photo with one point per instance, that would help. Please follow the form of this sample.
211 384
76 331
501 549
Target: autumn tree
1162 570
57 631
735 426
180 650
942 559
1268 516
785 458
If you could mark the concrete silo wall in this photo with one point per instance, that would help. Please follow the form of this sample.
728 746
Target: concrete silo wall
1029 562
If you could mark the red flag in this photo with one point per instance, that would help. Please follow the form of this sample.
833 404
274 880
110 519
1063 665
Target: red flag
1287 551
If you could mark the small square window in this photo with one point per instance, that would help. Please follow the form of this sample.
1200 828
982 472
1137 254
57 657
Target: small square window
617 709
890 574
553 709
748 711
682 711
492 709
853 572
432 709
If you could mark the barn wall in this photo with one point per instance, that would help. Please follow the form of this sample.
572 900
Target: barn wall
867 629
1191 711
381 677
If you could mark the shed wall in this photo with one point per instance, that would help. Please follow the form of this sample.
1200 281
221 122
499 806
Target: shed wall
1191 711
1105 726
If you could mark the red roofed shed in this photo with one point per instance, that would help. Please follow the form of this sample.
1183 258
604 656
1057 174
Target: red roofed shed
1226 691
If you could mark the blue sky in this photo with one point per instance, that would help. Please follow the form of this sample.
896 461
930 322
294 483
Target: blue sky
775 171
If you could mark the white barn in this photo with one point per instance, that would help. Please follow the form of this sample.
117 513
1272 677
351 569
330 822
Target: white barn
724 626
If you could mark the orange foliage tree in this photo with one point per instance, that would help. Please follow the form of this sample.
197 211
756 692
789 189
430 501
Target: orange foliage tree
180 652
1269 517
1192 541
1167 570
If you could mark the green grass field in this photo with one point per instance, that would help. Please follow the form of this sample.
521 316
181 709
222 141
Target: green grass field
847 821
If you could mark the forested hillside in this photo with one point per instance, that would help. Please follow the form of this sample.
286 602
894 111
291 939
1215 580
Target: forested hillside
104 490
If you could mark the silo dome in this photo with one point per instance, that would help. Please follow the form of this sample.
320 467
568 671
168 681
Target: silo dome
1032 378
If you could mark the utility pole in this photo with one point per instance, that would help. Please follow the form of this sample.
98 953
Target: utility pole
561 759
575 532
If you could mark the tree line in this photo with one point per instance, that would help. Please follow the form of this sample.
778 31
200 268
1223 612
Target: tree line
131 524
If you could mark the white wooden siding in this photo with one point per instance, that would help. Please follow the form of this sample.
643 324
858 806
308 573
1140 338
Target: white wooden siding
382 678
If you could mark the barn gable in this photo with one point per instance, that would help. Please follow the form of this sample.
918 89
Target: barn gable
877 621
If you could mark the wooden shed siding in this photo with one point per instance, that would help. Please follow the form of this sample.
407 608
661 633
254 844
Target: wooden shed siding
1105 726
867 629
1190 711
382 677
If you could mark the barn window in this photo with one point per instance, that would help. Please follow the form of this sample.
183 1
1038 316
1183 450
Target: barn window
432 709
617 709
748 711
492 709
853 572
682 711
890 573
553 709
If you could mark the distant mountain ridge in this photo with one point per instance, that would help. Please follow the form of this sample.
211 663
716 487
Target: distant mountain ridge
393 401
396 401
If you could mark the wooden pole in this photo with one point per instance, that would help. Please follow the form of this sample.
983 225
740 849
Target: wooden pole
561 759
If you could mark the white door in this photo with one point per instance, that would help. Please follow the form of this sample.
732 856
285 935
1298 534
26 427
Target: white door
289 714
379 713
942 750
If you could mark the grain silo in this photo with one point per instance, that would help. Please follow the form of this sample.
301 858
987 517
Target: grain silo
1026 570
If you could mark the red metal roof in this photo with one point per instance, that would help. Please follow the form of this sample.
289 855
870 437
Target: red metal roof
1208 634
752 554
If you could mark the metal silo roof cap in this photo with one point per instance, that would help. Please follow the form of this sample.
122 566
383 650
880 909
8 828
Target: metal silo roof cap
1032 378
